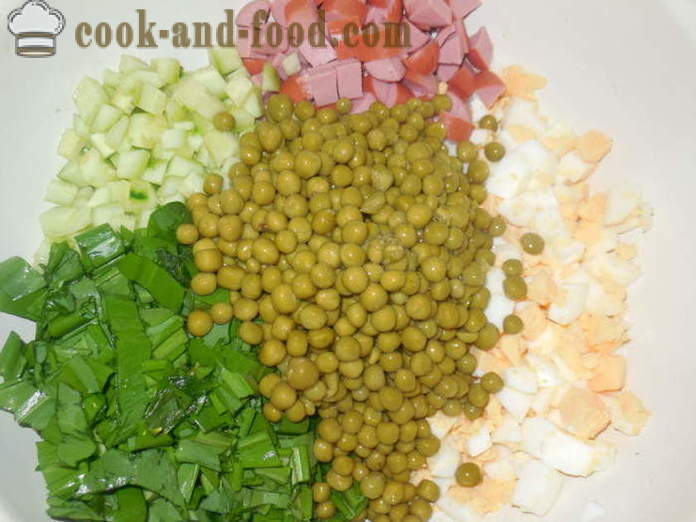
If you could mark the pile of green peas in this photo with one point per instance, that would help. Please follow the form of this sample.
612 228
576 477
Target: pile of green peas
360 243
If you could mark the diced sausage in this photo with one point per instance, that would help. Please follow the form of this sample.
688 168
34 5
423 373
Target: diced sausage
387 69
424 84
254 65
317 55
295 87
303 12
460 108
350 78
463 82
428 14
424 60
278 11
458 129
480 49
248 12
488 87
321 82
446 71
363 104
417 38
462 8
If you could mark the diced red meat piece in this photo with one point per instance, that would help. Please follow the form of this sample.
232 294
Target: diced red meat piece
424 60
303 12
463 82
481 49
455 46
278 11
295 87
460 108
458 129
363 104
462 8
317 56
253 65
350 78
446 71
248 12
321 83
488 87
375 15
428 14
424 84
345 9
387 69
394 11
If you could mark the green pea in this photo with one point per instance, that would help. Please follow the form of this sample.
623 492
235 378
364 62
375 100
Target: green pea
488 337
497 227
491 382
512 324
494 151
452 408
476 320
478 396
478 193
473 275
481 298
532 243
472 412
478 171
376 140
468 475
279 107
224 121
515 288
307 164
513 267
304 110
467 364
486 256
488 122
344 106
467 152
442 103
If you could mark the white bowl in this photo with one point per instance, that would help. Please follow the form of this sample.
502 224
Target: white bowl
622 66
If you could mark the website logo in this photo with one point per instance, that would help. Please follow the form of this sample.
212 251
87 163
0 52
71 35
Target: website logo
35 27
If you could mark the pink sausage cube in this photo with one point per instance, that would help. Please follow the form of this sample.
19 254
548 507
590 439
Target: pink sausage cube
386 69
349 75
317 56
446 71
480 49
462 8
418 38
375 15
428 14
278 11
248 12
321 82
488 87
460 108
363 103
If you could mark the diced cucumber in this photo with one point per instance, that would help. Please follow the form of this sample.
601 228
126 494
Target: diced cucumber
61 192
212 80
145 77
118 132
240 89
98 139
174 138
81 127
168 69
155 172
106 117
196 141
254 104
131 165
124 101
225 60
171 186
146 129
108 213
141 196
182 167
131 63
152 100
101 196
95 170
62 222
89 96
175 112
291 64
72 173
119 192
192 184
71 144
221 145
84 194
270 79
243 119
184 125
159 153
197 98
111 78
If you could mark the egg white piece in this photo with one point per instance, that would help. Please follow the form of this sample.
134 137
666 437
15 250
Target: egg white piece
445 462
538 488
479 442
515 402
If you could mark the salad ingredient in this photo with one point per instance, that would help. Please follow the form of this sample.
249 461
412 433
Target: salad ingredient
137 420
148 134
359 245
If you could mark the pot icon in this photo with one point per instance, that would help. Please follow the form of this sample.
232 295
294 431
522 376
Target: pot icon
35 27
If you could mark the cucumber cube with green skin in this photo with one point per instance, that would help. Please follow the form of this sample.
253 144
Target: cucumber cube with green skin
131 165
225 60
168 69
61 192
106 117
196 97
221 145
152 100
101 196
254 103
192 184
175 112
95 170
107 214
182 167
62 222
117 133
244 120
71 173
141 197
119 192
239 89
174 138
212 80
89 96
71 144
145 130
98 139
155 172
131 63
271 80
